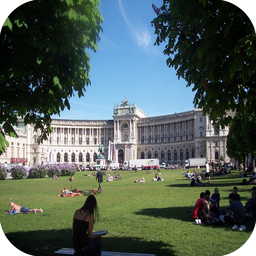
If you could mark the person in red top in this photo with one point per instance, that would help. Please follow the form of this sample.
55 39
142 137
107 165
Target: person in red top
201 208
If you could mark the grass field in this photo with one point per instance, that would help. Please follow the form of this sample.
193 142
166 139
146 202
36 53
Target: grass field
145 218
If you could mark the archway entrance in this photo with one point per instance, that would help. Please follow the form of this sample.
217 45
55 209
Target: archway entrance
120 156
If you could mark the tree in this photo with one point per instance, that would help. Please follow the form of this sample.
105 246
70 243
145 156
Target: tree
249 131
44 60
212 45
236 144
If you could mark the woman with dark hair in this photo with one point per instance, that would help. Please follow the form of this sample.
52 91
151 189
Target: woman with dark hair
84 241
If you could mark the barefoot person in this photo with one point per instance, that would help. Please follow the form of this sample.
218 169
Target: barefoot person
15 207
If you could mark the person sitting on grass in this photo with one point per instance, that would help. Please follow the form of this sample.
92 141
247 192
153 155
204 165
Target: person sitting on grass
15 207
250 207
201 209
187 175
200 183
233 193
117 176
213 204
236 216
110 178
155 178
55 176
71 178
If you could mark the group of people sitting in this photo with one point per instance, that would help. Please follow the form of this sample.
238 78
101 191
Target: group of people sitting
196 179
250 181
208 209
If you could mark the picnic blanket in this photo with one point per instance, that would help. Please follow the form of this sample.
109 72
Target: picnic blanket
68 195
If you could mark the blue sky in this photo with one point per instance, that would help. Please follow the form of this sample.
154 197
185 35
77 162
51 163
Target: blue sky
128 64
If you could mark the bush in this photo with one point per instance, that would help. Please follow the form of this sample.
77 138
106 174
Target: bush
38 171
68 169
53 169
18 172
3 173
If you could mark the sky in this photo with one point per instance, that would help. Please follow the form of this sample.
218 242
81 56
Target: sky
129 65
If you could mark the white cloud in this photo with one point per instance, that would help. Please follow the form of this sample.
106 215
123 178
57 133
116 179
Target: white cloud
141 35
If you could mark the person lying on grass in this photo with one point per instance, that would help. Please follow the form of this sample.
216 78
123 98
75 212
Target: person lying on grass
141 181
15 207
65 192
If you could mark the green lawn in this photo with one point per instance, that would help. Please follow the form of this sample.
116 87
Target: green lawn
143 218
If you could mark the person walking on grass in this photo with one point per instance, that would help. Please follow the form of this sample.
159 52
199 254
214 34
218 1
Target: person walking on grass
100 179
15 207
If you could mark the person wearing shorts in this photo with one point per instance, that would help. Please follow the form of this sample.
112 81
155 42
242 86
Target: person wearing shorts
16 207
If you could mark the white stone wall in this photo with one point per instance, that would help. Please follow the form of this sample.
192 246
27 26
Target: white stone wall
171 138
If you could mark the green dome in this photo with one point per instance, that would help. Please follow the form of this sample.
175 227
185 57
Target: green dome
100 156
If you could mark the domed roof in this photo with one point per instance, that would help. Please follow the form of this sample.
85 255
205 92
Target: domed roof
100 156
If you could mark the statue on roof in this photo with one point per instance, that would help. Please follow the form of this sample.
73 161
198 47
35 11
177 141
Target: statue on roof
124 102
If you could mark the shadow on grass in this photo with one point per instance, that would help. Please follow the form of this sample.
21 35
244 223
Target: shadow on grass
179 213
46 242
215 182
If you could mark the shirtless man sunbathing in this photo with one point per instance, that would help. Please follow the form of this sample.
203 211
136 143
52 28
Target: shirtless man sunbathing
15 207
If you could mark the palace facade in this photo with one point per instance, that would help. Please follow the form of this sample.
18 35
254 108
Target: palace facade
129 135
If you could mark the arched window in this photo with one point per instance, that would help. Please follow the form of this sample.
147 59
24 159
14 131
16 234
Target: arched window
73 157
80 157
125 125
156 154
162 155
175 155
58 157
94 157
142 155
216 155
66 157
181 154
149 154
187 154
120 156
169 155
193 153
87 157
